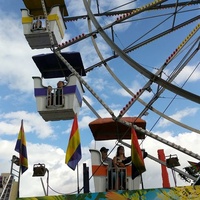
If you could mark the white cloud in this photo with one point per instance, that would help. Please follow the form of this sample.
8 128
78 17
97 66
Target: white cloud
134 87
32 123
53 158
17 66
186 72
179 115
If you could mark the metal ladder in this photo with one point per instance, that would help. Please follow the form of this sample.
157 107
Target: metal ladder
7 188
8 182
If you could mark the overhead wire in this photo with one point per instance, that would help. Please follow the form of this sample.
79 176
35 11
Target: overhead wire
125 4
174 97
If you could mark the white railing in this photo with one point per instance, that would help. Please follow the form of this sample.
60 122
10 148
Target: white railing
55 98
117 179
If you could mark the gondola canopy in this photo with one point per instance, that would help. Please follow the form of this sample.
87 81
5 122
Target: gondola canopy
108 129
35 7
51 66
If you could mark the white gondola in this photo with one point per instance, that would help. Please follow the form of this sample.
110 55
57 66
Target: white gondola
99 171
36 31
35 25
103 182
109 179
70 104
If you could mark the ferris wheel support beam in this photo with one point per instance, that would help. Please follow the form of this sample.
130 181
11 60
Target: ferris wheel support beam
137 66
119 12
144 42
73 41
91 108
147 106
173 76
171 144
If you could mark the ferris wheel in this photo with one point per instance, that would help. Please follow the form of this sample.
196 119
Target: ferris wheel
151 46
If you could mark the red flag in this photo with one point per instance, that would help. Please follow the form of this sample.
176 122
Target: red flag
138 166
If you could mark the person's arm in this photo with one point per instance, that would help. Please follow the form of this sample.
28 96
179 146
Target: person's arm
117 164
120 164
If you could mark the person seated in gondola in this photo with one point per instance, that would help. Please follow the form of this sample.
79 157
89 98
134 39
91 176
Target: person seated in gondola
119 162
37 24
59 93
109 161
105 158
50 96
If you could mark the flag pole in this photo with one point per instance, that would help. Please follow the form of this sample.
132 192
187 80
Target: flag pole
142 181
20 164
19 180
20 147
78 180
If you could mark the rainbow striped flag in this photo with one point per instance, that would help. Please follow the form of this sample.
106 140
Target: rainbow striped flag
73 153
138 166
20 147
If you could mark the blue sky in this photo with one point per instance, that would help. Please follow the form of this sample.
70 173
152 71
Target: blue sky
47 141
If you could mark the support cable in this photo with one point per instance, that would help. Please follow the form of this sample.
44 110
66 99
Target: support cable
47 23
91 108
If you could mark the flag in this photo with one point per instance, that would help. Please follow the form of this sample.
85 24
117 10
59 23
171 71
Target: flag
20 147
138 166
73 153
195 166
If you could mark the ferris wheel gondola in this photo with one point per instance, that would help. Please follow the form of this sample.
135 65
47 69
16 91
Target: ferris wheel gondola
36 29
59 103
